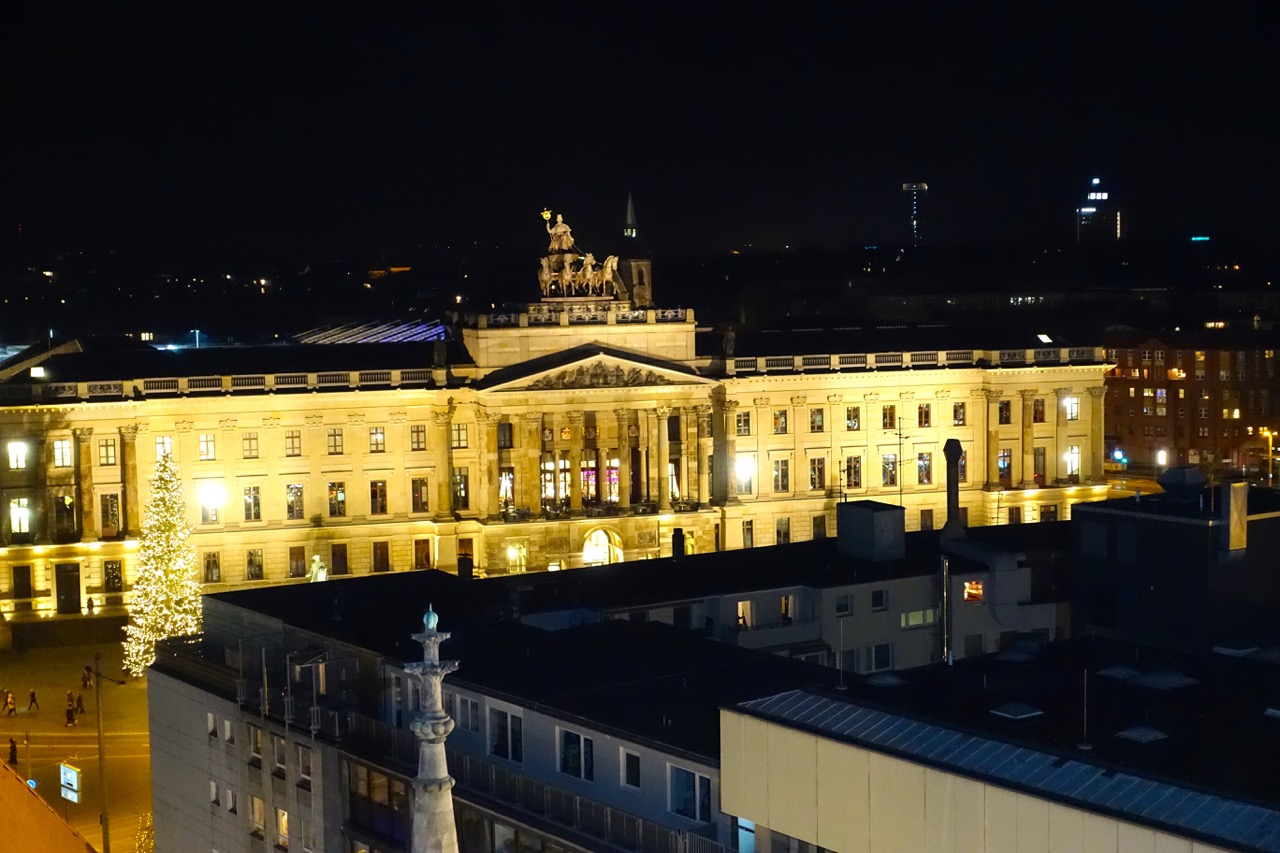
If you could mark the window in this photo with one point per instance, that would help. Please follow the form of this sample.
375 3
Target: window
458 436
962 472
853 417
382 556
819 527
377 497
335 441
422 553
253 565
816 420
338 560
249 445
232 800
817 473
630 770
210 504
924 415
745 468
461 488
779 421
748 534
337 500
745 620
1004 412
62 453
957 414
255 743
212 567
577 755
282 829
106 453
924 469
208 446
304 763
211 721
973 591
742 423
113 575
853 472
1072 405
889 469
879 600
252 504
506 438
782 531
505 738
1038 458
1004 463
926 519
417 436
690 794
418 487
782 475
377 439
279 754
468 714
293 501
258 817
844 604
880 657
308 834
293 442
889 417
1037 410
19 515
213 793
18 455
1073 460
918 618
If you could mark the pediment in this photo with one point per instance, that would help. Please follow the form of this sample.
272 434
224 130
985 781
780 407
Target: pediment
596 370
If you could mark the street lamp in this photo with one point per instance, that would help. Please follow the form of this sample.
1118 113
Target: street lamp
102 759
1266 431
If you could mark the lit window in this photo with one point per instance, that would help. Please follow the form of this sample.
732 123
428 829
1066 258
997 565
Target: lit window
208 446
779 421
378 497
853 472
973 591
164 446
335 441
461 488
212 567
458 436
377 439
62 453
889 469
252 504
782 475
816 422
106 452
742 423
924 415
249 445
258 817
293 501
337 500
419 497
17 455
293 442
1072 405
924 468
817 473
418 437
853 418
1072 459
889 417
19 515
957 414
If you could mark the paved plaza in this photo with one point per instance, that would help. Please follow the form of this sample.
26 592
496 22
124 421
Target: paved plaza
44 740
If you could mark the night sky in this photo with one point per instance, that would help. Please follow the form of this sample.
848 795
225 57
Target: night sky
233 134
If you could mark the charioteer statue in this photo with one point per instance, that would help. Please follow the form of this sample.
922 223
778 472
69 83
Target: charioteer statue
566 271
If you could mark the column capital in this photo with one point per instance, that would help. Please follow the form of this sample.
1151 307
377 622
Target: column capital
1028 393
129 432
663 412
575 418
83 434
442 418
489 418
798 401
393 417
731 406
1063 393
1097 392
622 414
833 399
531 418
227 424
761 402
992 394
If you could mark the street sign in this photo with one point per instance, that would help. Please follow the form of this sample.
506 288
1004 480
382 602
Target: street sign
69 776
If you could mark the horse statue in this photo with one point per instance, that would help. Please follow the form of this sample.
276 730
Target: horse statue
609 278
545 277
588 275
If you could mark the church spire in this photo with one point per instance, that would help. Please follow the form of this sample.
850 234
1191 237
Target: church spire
434 830
629 228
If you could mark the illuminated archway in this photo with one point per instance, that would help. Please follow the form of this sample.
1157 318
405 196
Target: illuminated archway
601 547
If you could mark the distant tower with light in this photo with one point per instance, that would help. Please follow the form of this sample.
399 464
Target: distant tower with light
916 192
434 828
629 227
1098 220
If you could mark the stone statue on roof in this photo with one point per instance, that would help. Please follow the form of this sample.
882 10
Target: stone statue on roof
561 236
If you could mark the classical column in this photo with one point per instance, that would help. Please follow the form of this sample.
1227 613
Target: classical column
84 484
664 453
488 450
624 457
729 492
993 438
575 461
1060 434
434 829
1097 441
129 459
1028 458
703 415
444 466
529 478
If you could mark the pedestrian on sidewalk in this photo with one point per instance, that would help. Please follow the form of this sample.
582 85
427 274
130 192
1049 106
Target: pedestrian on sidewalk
33 703
79 703
10 706
71 713
71 699
86 679
13 751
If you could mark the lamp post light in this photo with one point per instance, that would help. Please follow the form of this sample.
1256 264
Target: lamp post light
1266 431
104 818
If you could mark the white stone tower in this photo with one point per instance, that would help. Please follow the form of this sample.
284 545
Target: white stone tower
434 830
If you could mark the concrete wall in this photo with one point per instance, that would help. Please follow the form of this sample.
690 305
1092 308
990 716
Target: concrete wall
854 800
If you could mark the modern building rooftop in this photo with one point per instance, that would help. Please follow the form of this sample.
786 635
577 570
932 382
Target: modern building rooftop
1178 742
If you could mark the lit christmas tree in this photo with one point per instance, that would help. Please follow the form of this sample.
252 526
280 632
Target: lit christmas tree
166 595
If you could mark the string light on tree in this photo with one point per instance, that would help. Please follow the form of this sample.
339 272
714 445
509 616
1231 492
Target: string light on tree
166 595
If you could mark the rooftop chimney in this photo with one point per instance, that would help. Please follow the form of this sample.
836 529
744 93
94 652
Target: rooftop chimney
871 530
954 528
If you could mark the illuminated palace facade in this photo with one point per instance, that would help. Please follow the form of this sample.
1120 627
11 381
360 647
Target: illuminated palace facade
570 432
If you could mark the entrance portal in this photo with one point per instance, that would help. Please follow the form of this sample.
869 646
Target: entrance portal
601 548
67 577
